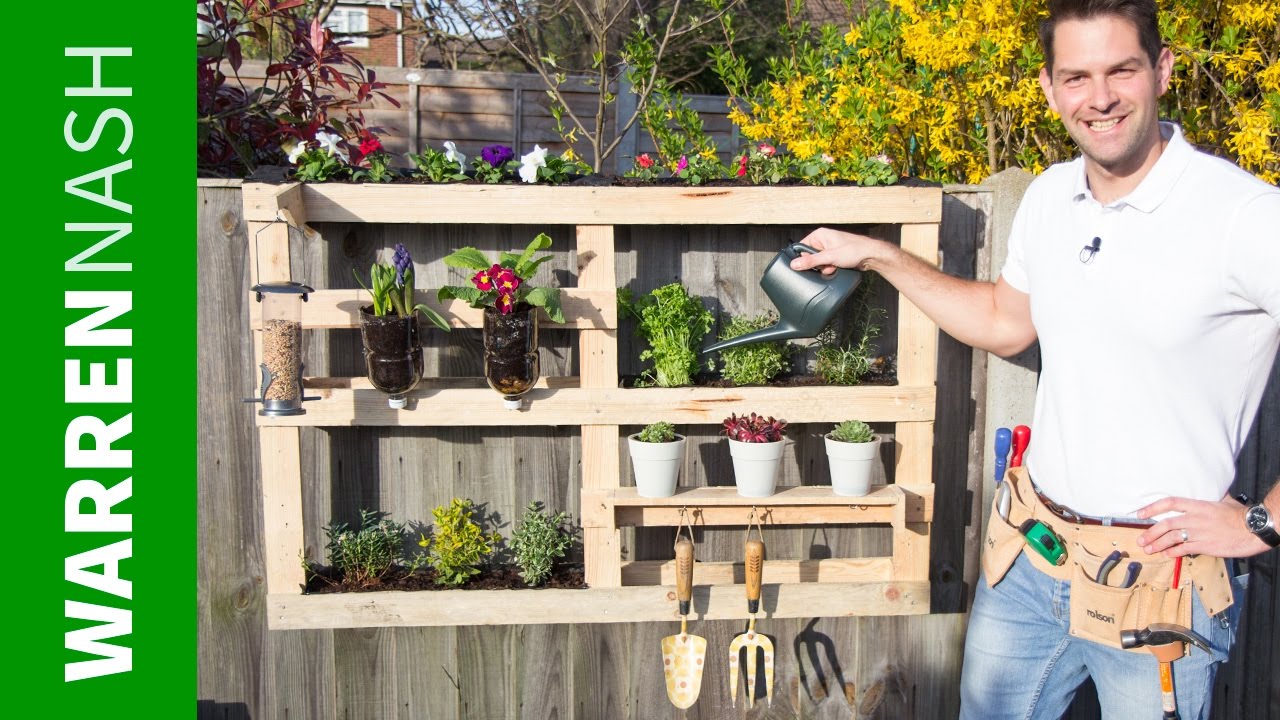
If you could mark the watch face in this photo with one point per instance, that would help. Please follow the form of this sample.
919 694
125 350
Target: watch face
1256 518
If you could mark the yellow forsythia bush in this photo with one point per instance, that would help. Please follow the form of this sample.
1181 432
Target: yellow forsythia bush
949 88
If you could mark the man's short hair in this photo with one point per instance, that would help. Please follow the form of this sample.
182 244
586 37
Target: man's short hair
1140 13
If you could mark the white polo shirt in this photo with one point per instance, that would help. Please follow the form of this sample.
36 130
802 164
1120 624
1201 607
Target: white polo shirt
1156 351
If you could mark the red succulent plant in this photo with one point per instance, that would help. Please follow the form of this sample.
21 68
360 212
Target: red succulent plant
753 428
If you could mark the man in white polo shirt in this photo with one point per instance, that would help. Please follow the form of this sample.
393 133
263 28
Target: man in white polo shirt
1150 274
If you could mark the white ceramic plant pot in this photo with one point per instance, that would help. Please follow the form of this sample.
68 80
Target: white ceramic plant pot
851 466
755 466
656 466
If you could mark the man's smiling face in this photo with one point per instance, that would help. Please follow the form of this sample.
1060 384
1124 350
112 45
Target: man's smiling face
1106 90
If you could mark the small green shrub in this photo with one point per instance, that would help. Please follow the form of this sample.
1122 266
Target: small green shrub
458 546
852 431
539 542
659 432
673 323
757 363
365 555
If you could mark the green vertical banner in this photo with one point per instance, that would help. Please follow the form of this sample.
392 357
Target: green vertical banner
100 191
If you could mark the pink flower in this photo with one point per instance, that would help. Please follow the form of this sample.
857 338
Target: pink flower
505 304
683 164
483 280
645 161
370 145
766 149
506 281
742 165
826 158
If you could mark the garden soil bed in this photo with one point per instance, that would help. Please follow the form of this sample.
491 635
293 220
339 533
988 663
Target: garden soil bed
329 580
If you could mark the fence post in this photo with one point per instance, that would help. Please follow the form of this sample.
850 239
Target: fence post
624 156
517 119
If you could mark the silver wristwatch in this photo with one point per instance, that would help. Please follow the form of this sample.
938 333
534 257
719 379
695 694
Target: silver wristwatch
1261 523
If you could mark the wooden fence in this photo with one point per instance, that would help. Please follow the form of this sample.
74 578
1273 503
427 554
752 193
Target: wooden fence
474 109
867 667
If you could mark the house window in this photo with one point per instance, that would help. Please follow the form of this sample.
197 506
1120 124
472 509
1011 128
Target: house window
344 21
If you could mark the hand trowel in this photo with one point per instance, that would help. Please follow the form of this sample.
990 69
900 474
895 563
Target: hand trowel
683 655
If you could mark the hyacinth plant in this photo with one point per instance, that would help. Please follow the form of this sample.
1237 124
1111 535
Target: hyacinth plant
393 290
505 284
753 428
492 165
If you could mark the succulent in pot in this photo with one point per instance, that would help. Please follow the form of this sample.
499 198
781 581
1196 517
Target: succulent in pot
755 444
389 327
657 452
851 451
510 303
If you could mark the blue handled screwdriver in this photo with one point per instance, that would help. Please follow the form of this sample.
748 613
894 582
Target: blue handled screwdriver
1004 440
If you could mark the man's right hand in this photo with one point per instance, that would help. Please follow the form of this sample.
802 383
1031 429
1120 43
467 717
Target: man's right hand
838 249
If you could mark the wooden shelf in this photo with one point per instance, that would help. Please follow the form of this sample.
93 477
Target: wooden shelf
576 205
591 605
802 505
619 592
556 401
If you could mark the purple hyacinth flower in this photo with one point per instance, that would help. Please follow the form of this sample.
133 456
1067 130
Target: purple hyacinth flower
497 155
403 261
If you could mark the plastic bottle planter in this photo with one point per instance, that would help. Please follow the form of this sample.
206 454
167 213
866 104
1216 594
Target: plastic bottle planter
755 466
281 383
511 352
392 353
656 466
851 465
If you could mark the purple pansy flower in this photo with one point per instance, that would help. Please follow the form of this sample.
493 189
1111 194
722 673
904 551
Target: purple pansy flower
497 155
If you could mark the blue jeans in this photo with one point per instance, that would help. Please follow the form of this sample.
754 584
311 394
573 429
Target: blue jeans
1020 661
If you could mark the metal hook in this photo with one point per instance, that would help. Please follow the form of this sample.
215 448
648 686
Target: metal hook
684 523
754 519
282 217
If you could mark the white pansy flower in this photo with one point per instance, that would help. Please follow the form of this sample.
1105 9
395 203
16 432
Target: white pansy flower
451 154
530 163
329 142
296 151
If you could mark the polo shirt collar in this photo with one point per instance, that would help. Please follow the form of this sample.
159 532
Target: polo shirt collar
1159 182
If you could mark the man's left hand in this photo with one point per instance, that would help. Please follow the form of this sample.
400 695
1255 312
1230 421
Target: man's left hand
1210 528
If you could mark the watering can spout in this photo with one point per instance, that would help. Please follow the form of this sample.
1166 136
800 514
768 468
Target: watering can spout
780 331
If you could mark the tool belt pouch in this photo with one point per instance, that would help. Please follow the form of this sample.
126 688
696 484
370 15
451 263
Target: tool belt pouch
1099 612
1004 541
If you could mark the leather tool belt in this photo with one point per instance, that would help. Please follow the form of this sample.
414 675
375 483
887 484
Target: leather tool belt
1100 611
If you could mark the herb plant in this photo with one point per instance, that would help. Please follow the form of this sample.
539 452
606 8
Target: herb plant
845 358
659 432
458 546
365 555
674 324
539 542
852 431
757 363
439 167
504 284
393 289
753 428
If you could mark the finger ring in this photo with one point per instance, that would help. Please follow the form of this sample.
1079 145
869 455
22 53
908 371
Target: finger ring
1185 537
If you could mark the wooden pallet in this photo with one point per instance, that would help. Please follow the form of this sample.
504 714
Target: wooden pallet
618 592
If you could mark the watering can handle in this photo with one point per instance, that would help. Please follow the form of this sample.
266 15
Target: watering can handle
795 249
684 574
754 571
